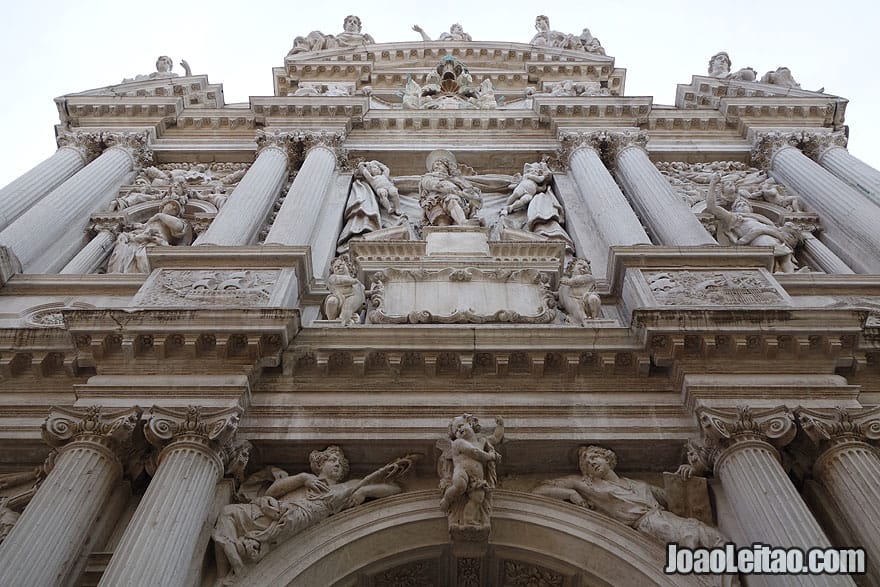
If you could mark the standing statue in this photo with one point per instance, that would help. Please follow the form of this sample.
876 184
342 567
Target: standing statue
351 36
741 226
719 66
456 33
165 228
577 295
550 38
445 196
246 532
164 65
467 468
346 296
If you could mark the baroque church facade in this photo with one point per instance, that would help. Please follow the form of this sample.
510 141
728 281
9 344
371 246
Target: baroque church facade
444 312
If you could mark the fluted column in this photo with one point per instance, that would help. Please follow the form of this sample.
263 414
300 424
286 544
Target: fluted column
241 218
849 219
46 541
96 252
158 545
299 213
75 150
610 213
668 219
50 233
823 257
849 469
742 447
829 151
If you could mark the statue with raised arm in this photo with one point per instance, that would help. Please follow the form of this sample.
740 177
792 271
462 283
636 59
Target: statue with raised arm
164 65
346 296
162 229
446 197
246 532
456 33
741 226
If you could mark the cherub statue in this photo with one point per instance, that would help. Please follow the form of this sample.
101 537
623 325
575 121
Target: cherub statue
378 176
346 296
577 293
536 177
468 469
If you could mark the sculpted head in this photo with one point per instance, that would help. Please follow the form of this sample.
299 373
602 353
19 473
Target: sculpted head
578 267
542 23
352 24
329 463
164 64
719 64
456 29
595 461
740 205
173 208
339 266
462 426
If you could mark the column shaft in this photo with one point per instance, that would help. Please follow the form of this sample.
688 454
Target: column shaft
667 217
28 189
44 238
298 215
823 257
240 220
853 171
92 255
158 545
45 543
850 220
769 508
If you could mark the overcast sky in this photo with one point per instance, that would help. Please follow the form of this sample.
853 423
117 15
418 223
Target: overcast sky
54 48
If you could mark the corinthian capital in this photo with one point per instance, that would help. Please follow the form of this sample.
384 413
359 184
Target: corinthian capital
571 141
816 144
136 144
332 140
87 144
834 425
619 140
112 430
724 426
274 139
211 430
765 145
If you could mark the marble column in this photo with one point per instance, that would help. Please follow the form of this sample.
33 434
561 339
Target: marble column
158 545
822 257
849 467
245 212
829 151
45 543
742 444
75 150
668 219
96 252
609 211
849 219
299 213
51 232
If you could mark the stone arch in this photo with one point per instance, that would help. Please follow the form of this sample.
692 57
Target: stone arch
528 531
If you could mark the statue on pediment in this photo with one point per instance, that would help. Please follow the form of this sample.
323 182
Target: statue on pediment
164 65
456 33
719 66
351 36
247 532
780 77
546 37
445 196
165 228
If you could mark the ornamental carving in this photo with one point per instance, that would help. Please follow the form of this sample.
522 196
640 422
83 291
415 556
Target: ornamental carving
111 429
212 429
207 182
577 293
840 424
721 288
87 144
518 574
209 288
136 144
816 144
617 141
274 138
724 427
415 574
766 145
449 86
545 37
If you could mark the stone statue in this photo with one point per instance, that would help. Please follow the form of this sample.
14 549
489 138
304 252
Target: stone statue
165 228
164 65
446 197
719 66
590 43
637 504
781 77
577 293
372 190
536 178
8 518
549 38
467 468
378 176
769 191
412 94
741 226
351 36
246 532
486 98
456 33
346 296
544 214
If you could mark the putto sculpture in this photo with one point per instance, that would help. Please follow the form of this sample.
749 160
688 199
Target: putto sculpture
577 293
346 296
351 36
246 532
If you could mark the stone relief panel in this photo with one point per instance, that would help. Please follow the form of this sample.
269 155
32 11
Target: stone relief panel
450 86
202 289
718 288
49 315
211 183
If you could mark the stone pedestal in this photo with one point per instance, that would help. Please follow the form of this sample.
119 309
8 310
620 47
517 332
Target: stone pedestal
159 543
74 152
742 446
49 234
668 218
848 467
240 220
44 545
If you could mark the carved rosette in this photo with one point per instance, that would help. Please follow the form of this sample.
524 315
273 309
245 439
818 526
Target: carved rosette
87 144
333 141
725 428
111 431
816 144
136 144
767 144
210 432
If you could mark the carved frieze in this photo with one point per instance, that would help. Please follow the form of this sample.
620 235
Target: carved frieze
198 289
719 288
